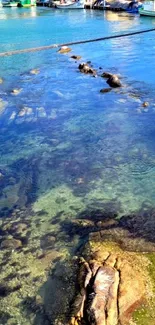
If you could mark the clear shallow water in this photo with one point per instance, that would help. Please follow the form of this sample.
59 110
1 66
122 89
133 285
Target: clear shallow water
67 149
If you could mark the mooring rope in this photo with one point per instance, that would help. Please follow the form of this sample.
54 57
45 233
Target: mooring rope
52 46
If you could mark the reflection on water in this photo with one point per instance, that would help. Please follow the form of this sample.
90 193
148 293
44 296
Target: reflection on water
68 153
14 13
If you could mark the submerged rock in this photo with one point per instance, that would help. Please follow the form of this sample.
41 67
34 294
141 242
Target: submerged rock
19 228
16 91
106 75
25 111
1 176
105 90
11 243
4 290
85 68
34 71
145 104
64 49
47 242
3 105
76 57
41 112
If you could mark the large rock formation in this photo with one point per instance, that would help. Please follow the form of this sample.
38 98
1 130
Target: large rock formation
111 287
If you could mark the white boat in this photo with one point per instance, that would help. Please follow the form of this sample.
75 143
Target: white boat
9 3
70 4
148 9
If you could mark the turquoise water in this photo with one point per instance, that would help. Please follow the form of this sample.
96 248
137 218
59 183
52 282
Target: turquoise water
68 150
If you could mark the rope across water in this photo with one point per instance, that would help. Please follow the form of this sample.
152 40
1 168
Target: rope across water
52 46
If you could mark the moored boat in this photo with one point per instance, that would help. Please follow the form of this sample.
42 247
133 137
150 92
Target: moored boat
10 3
69 4
19 3
148 9
134 7
149 13
26 3
42 3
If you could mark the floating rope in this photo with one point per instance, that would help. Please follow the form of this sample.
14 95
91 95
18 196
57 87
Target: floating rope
52 46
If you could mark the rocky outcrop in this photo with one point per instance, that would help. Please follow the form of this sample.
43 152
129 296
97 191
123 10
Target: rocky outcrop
113 81
64 49
106 75
86 68
110 289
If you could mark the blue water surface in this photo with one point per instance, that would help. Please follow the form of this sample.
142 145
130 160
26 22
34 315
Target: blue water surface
61 88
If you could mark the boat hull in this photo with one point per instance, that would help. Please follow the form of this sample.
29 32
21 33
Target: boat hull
149 13
71 5
27 3
22 3
10 5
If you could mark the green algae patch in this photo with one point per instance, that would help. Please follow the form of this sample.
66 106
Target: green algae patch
146 314
98 248
57 199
